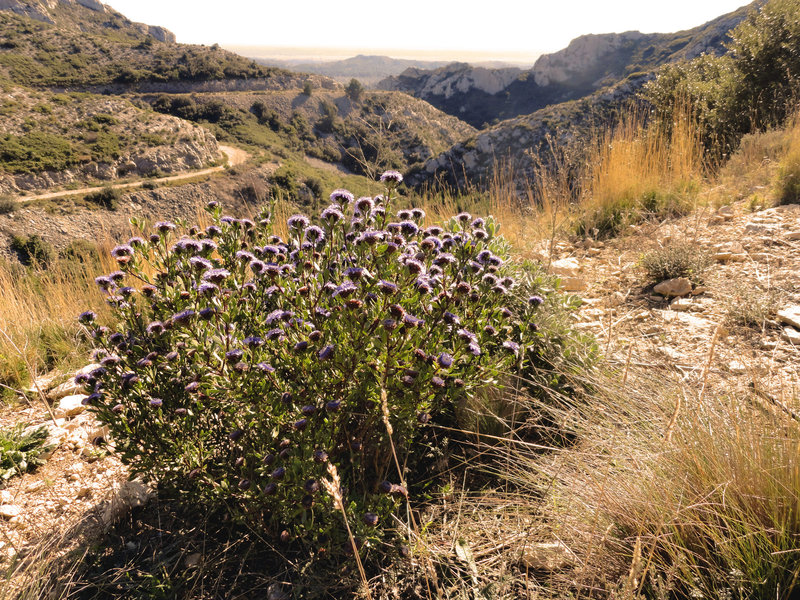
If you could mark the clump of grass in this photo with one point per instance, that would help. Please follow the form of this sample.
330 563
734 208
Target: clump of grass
638 170
682 259
663 495
21 452
787 180
747 305
33 250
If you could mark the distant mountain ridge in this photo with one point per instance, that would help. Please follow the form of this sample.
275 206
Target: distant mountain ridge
588 64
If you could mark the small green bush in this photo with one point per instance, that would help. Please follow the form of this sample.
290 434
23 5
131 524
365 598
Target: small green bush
7 204
107 198
681 259
248 368
20 452
33 250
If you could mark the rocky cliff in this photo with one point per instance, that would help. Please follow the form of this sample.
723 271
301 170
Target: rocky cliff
589 63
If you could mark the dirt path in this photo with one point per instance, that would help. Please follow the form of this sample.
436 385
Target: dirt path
234 156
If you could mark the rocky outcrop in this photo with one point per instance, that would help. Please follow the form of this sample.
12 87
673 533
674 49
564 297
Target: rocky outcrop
584 55
455 78
160 33
34 10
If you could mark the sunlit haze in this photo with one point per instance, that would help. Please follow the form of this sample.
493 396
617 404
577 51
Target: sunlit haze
498 29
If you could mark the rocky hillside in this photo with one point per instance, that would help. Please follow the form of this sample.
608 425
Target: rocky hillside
81 43
590 63
54 140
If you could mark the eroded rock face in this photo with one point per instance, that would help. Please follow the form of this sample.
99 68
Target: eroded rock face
90 4
581 57
446 82
34 10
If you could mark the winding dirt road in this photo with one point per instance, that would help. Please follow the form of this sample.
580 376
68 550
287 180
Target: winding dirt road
234 156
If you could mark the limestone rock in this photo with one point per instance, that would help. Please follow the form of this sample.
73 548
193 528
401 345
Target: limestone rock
71 406
10 511
791 335
790 316
682 304
680 286
726 212
736 367
551 556
567 267
131 494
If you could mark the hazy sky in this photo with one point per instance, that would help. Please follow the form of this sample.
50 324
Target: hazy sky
490 25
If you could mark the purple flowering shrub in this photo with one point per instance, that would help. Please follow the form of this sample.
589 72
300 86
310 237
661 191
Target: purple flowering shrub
242 363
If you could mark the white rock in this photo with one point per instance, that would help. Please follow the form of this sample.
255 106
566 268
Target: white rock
716 220
726 212
736 367
682 304
793 236
9 511
131 494
791 335
566 266
790 316
71 406
680 286
547 556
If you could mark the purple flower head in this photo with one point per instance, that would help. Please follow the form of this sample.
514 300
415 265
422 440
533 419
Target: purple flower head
245 257
332 214
208 246
371 237
257 267
207 313
412 321
391 178
187 246
342 196
314 234
274 334
265 367
122 251
414 266
535 301
443 259
433 231
489 279
164 227
451 319
364 205
464 217
423 285
213 231
233 356
110 361
445 360
370 519
200 264
183 317
345 289
253 341
228 220
155 328
301 346
236 435
437 381
466 335
387 287
300 424
297 222
495 261
103 282
478 223
357 273
327 352
278 473
409 228
417 213
474 349
216 275
431 243
136 242
484 256
87 317
192 387
156 402
512 347
404 214
480 234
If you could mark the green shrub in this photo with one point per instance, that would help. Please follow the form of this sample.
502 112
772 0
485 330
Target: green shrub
107 197
7 204
20 452
354 90
33 250
249 371
682 259
308 88
35 151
